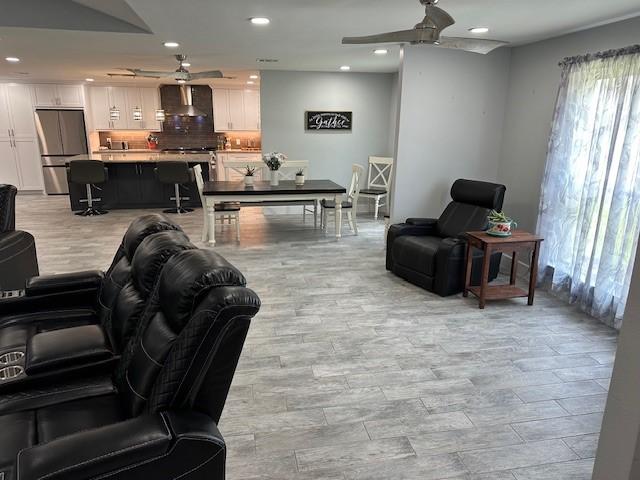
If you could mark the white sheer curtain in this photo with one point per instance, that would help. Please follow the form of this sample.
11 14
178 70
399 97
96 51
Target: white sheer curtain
590 205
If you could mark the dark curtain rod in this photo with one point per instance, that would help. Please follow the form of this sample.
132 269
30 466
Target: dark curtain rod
600 55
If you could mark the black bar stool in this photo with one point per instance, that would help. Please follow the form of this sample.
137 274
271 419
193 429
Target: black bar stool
177 173
88 173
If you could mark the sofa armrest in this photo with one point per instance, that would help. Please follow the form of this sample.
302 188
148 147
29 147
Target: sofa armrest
160 445
66 348
52 284
422 222
452 247
420 228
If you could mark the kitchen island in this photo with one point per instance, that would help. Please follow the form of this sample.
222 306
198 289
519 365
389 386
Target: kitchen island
132 181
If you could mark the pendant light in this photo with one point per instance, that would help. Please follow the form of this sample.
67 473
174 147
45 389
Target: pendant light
114 113
137 114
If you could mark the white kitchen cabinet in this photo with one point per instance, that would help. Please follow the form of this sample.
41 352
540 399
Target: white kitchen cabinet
125 99
5 117
19 150
235 109
8 166
27 158
150 103
68 96
99 103
221 121
251 102
22 112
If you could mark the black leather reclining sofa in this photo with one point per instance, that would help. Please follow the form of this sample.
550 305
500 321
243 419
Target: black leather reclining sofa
18 260
430 252
137 388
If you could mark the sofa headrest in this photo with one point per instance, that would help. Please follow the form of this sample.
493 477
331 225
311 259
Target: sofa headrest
482 194
152 254
141 228
187 278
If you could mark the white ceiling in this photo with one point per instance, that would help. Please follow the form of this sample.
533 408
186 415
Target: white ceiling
303 34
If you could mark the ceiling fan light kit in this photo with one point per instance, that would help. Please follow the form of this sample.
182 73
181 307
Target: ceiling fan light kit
428 31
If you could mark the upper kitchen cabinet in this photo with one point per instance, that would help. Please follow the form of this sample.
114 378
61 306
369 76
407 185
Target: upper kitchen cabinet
19 152
150 104
235 109
252 110
125 100
66 96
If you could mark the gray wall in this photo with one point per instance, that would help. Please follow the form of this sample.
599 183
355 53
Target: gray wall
286 95
450 125
618 456
533 86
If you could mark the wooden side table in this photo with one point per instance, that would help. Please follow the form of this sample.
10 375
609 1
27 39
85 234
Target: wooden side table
518 243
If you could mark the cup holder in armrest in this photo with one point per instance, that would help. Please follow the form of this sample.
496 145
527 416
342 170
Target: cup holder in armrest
10 358
9 373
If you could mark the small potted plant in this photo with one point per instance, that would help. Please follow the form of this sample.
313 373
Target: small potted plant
500 225
300 177
248 176
274 161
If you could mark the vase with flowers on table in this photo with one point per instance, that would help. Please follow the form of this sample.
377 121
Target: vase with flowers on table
274 161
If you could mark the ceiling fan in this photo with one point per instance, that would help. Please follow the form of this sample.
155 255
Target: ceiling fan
181 75
427 32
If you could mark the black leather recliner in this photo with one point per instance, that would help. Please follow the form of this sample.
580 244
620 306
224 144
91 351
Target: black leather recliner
430 252
158 418
63 345
86 292
18 260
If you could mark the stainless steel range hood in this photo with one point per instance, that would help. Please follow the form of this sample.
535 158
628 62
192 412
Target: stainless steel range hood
185 108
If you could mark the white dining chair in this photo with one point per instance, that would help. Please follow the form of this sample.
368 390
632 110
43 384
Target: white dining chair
288 171
229 212
378 181
350 205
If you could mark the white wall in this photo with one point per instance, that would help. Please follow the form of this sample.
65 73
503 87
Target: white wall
450 125
286 95
533 86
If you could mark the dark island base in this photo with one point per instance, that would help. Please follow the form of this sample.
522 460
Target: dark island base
135 185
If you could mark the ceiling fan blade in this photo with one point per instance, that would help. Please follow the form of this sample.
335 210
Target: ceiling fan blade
475 45
131 75
403 36
150 74
208 74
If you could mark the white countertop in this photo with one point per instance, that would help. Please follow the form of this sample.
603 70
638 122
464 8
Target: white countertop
155 157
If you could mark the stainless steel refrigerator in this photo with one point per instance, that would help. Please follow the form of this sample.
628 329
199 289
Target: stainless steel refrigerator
61 134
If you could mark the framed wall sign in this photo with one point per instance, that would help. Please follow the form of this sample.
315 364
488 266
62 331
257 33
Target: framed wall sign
329 121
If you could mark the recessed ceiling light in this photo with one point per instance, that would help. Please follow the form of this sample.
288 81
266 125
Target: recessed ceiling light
479 30
250 82
182 81
253 77
345 68
12 59
171 44
260 20
381 51
185 64
88 79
